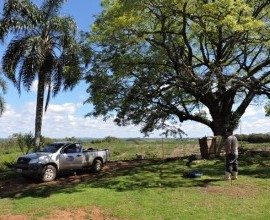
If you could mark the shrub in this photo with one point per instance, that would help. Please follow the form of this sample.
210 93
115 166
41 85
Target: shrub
26 142
255 138
107 139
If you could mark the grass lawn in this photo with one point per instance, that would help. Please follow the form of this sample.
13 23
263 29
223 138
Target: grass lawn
143 189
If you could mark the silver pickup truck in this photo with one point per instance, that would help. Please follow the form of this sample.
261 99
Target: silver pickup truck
58 157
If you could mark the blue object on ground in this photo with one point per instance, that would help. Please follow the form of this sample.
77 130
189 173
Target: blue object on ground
192 174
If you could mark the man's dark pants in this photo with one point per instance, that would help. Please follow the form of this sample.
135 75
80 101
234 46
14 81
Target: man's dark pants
231 162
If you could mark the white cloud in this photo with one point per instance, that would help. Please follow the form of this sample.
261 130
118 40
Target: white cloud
61 121
253 110
10 112
34 86
193 129
16 121
254 120
66 108
258 126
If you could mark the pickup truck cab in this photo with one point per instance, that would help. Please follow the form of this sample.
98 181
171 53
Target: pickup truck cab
58 157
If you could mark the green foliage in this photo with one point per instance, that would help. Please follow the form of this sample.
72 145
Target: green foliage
108 140
267 109
9 152
255 138
111 139
169 61
26 142
73 139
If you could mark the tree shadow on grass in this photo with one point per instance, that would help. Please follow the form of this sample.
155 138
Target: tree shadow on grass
254 166
162 174
130 175
120 177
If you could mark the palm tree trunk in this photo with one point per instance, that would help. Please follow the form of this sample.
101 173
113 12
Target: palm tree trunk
39 110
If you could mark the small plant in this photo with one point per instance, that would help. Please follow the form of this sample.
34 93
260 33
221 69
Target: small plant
9 164
73 139
151 155
116 153
26 142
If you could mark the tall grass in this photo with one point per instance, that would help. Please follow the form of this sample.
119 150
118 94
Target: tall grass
125 150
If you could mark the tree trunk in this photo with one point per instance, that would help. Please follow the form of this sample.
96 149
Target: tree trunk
218 128
221 122
39 110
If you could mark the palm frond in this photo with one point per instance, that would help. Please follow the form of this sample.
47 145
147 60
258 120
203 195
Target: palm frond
19 17
3 85
33 53
2 105
48 96
63 26
51 8
27 72
2 101
12 58
57 79
21 54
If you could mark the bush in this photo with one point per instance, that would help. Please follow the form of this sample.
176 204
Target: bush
254 138
8 145
26 142
108 139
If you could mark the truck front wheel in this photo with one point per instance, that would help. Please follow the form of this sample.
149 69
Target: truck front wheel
97 166
48 173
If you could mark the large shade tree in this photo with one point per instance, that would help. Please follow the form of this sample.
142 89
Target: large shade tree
44 47
169 61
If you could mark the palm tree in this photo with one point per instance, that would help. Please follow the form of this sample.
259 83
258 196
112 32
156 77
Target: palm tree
44 47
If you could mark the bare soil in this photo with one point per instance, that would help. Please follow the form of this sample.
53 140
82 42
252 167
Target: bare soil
74 214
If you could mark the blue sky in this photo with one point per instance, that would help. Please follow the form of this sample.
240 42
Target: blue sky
65 114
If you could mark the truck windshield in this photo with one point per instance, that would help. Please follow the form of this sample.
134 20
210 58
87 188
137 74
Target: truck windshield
52 148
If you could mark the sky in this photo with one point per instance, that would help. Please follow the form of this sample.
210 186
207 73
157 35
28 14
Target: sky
65 116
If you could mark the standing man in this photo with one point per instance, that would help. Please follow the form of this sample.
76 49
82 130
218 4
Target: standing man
231 149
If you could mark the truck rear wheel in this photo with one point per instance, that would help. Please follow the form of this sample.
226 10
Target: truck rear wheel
48 173
97 166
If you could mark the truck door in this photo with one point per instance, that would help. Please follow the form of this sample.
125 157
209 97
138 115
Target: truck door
71 157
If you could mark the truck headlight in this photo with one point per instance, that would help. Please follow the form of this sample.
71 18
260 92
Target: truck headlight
33 161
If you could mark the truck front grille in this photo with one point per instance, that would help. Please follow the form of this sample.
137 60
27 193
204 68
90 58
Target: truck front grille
23 160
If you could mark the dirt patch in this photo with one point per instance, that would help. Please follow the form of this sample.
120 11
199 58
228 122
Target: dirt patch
78 214
233 191
97 215
74 214
13 217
